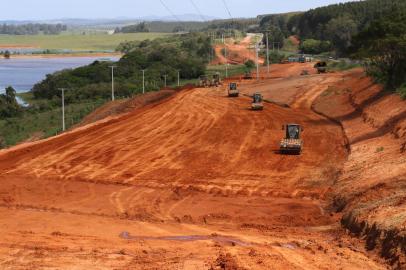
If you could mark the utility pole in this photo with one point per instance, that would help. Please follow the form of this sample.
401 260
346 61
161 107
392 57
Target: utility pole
257 52
225 55
178 78
267 51
165 80
143 81
63 108
112 82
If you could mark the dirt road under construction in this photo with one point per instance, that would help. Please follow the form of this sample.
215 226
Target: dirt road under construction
192 181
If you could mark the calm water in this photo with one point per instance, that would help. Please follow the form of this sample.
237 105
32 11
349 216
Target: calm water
22 74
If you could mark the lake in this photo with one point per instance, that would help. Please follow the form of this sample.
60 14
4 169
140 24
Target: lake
23 73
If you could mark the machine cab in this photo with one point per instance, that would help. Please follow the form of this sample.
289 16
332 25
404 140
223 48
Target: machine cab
233 86
293 131
257 98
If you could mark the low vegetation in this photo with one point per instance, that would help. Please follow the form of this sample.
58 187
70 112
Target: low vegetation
76 42
43 118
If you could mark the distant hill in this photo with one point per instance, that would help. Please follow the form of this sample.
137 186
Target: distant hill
105 23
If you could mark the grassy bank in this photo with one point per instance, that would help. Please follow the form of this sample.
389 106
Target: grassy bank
42 120
75 42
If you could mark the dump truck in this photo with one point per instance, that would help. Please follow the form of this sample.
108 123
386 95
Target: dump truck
232 90
321 67
204 81
216 81
292 143
257 102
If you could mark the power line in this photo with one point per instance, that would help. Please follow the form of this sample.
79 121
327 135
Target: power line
228 10
198 10
169 10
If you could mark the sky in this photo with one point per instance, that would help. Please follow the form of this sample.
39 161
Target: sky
91 9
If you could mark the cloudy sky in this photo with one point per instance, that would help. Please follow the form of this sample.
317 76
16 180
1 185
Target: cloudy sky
55 9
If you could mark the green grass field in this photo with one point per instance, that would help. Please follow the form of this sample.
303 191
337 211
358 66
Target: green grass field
75 42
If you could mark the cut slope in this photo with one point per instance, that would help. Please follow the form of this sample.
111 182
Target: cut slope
192 183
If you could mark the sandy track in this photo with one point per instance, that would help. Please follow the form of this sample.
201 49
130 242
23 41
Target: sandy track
196 164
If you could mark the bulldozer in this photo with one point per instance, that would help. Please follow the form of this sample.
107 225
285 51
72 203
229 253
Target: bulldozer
257 102
321 67
204 81
292 143
216 81
232 90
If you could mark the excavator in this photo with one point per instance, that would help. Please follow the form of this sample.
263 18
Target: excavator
257 102
232 90
292 143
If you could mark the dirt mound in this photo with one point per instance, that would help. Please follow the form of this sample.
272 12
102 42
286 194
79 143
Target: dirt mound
236 53
124 106
372 188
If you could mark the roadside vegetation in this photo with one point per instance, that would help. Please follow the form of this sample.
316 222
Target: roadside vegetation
372 31
42 119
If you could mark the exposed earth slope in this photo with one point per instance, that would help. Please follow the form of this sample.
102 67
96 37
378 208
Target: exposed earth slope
194 181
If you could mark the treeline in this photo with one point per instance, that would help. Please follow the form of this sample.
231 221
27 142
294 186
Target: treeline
329 28
32 29
160 58
8 103
136 28
371 30
242 25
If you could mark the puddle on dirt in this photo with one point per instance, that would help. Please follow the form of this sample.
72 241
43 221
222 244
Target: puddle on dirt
189 238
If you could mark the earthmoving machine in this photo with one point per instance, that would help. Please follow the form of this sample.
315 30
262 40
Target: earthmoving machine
292 143
204 81
232 90
321 67
257 102
216 80
248 75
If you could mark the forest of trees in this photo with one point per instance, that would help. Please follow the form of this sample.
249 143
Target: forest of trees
371 30
187 54
337 24
242 25
32 29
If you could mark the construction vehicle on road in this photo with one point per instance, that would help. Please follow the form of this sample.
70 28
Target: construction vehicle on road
248 75
204 81
257 102
292 143
216 80
232 90
321 67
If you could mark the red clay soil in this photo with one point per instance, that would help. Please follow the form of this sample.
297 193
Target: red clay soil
194 181
371 190
236 53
